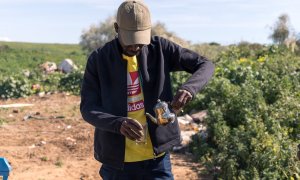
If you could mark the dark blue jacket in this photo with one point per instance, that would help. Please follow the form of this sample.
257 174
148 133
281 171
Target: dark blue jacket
104 93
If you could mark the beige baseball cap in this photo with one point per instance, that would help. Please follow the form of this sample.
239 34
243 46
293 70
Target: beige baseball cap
134 22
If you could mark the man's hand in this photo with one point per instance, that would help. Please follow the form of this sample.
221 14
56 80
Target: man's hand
132 129
181 98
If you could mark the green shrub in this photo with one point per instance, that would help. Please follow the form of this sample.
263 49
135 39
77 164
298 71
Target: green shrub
71 82
14 87
253 115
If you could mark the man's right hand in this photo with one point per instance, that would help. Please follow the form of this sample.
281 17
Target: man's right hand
132 129
181 98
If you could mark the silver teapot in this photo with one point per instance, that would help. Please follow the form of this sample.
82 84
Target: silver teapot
163 114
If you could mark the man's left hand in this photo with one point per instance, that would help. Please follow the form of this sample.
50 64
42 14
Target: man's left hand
181 98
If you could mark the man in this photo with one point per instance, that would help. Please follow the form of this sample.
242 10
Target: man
123 80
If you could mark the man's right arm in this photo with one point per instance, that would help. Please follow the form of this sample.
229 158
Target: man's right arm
91 107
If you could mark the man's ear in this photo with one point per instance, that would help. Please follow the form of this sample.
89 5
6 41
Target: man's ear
116 27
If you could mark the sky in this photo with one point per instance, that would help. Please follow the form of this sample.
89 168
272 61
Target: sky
198 21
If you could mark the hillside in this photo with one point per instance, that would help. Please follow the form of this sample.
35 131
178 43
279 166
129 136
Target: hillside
17 56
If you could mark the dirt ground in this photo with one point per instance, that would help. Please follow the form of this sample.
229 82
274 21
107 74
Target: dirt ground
50 140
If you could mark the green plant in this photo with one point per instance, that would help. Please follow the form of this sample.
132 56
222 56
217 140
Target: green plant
71 82
44 158
253 116
14 87
58 163
2 121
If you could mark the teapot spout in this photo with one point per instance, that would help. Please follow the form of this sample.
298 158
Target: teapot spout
153 119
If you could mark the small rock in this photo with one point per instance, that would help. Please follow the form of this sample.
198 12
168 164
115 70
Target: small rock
186 136
41 94
185 120
26 73
67 66
41 143
48 67
32 146
199 116
25 118
182 121
71 139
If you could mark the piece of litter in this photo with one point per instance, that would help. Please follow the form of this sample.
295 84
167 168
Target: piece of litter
30 116
15 105
32 146
176 148
70 139
181 120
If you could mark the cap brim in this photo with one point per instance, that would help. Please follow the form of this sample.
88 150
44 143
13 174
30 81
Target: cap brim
135 37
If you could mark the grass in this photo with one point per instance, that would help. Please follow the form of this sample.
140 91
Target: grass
17 56
44 158
58 163
2 121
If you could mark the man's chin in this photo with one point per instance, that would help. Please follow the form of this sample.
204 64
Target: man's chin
132 53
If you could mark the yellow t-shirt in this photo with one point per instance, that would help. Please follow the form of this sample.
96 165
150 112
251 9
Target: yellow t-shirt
135 98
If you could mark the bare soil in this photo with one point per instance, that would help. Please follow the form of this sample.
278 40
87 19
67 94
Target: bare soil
50 140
